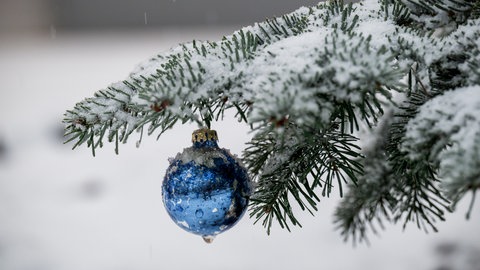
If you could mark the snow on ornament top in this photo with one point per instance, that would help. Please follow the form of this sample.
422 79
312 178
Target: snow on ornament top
206 189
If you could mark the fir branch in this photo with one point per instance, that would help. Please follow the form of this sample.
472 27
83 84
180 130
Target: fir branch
418 197
305 83
185 87
393 188
175 89
299 166
367 204
446 134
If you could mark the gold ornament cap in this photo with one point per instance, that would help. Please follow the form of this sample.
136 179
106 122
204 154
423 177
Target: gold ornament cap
203 135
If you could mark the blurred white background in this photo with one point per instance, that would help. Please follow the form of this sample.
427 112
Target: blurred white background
66 210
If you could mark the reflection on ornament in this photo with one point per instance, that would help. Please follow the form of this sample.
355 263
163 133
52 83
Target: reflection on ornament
206 189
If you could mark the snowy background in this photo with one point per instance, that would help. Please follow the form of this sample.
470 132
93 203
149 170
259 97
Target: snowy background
66 210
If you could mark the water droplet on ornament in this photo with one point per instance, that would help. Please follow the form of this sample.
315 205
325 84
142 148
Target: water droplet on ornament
199 213
208 238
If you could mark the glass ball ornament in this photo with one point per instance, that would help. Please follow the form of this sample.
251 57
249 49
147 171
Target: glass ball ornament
206 189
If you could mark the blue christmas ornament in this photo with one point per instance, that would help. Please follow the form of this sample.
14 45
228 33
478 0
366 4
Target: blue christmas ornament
205 189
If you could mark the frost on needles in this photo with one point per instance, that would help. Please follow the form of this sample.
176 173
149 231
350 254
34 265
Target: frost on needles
380 99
